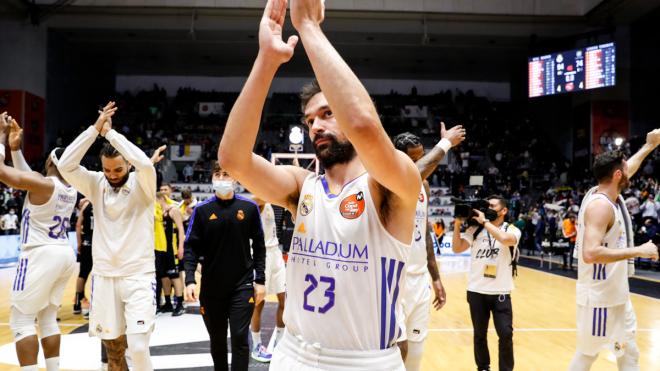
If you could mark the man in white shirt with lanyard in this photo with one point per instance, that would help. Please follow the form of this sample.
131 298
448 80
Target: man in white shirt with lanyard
123 304
494 245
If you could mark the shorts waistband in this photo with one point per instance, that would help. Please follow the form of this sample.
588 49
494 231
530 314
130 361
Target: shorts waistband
314 355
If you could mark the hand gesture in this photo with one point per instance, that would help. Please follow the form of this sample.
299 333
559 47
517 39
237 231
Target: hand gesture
157 156
455 135
190 293
480 217
15 135
653 138
4 123
105 115
259 293
307 12
649 251
271 44
440 295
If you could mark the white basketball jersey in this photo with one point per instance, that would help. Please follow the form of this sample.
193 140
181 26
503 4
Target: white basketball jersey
602 285
343 270
48 224
268 224
417 262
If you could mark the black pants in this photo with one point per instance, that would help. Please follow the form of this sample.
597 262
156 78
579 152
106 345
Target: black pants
236 309
481 307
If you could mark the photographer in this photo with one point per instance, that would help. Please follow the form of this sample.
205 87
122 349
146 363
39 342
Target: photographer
494 245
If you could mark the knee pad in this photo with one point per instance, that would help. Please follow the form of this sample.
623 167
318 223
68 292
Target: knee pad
47 320
21 324
138 343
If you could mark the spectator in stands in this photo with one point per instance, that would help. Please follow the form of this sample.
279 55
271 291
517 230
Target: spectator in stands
10 222
569 231
439 230
650 208
632 203
188 173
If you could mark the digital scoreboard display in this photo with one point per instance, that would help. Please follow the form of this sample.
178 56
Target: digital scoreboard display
572 70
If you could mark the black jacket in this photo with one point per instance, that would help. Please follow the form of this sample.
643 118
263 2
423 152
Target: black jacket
218 236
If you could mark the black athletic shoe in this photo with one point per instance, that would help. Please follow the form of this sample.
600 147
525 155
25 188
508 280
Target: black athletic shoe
178 311
77 308
166 308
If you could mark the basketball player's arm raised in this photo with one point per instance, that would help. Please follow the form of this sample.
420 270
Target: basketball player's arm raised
635 161
596 222
40 187
15 142
353 108
279 185
69 166
450 138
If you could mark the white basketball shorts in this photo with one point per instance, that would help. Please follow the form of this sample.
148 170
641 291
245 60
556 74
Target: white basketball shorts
605 328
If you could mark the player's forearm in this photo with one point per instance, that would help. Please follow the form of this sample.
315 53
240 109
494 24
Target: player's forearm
604 255
352 105
430 161
132 153
19 161
74 152
635 161
240 134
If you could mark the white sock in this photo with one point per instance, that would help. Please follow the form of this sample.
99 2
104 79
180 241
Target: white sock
30 368
279 332
581 362
256 338
53 364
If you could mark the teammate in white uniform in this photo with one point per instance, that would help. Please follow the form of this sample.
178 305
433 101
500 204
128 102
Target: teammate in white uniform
123 281
416 300
275 279
46 260
605 316
354 225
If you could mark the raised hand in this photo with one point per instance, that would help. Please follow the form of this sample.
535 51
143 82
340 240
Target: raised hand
455 135
157 156
105 115
15 135
304 12
4 122
271 44
653 138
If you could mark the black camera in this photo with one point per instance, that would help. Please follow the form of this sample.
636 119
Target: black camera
465 209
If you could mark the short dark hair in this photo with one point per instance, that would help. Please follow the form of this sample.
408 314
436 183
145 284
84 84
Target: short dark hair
109 151
406 140
500 199
166 185
216 167
186 193
605 164
308 91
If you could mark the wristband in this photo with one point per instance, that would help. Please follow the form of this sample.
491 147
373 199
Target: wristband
445 144
2 151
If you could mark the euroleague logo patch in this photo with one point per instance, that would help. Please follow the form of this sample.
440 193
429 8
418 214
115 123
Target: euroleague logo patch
352 206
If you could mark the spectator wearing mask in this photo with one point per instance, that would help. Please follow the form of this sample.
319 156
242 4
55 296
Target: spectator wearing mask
10 222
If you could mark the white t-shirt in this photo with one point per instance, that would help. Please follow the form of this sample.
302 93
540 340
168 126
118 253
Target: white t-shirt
490 262
9 221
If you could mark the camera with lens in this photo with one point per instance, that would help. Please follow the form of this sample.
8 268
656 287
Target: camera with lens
465 209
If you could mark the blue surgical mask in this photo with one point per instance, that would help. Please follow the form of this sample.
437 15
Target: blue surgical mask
223 188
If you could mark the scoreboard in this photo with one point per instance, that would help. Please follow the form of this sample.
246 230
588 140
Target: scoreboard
572 70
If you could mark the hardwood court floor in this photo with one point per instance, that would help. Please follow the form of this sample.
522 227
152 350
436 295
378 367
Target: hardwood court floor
544 323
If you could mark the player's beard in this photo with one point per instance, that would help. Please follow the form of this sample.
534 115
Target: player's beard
120 182
333 152
624 183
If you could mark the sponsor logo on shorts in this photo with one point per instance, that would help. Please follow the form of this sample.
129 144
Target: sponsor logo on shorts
352 206
416 332
240 215
99 329
140 323
307 205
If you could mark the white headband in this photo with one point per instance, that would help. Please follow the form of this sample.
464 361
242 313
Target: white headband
53 156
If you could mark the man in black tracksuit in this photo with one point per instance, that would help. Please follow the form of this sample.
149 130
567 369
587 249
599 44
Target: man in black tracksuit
218 236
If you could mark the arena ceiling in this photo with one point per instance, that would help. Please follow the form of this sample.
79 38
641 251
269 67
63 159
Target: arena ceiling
444 39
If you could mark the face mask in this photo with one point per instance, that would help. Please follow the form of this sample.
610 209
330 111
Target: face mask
223 188
11 212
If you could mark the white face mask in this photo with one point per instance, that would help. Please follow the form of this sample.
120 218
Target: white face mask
223 188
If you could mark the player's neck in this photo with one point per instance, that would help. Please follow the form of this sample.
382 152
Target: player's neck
611 190
340 174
